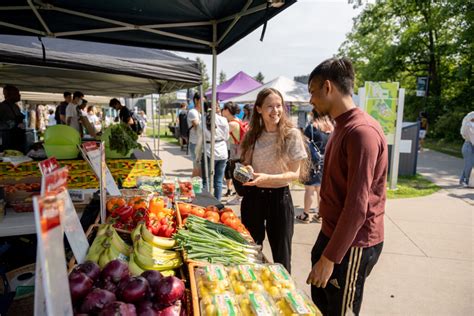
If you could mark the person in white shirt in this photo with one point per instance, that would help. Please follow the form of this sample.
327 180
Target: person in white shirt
93 118
51 118
467 132
72 114
220 151
194 121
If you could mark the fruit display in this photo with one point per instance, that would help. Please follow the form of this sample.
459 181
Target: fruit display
211 280
244 278
256 304
108 246
275 279
203 240
113 291
168 188
126 214
11 153
153 253
186 191
294 302
220 305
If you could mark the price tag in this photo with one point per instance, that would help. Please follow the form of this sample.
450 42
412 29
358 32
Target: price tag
48 165
47 210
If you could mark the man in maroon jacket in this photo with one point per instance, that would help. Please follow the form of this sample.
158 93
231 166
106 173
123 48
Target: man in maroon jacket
352 193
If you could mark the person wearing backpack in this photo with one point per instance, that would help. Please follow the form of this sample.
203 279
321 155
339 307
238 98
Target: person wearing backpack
128 117
317 133
237 130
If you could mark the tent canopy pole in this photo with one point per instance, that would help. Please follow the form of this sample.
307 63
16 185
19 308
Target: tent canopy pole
213 105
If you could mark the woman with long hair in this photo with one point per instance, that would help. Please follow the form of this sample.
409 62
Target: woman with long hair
317 134
275 151
247 113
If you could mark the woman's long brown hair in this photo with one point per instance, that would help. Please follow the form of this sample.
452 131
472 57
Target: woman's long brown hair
257 126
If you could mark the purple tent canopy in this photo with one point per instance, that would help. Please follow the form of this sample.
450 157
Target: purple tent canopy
237 85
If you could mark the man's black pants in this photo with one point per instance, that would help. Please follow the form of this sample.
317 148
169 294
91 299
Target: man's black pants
343 292
270 209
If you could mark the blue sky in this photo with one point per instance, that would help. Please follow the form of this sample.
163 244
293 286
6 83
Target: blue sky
295 41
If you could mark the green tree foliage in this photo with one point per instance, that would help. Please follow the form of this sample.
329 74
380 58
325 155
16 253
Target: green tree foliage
205 76
399 40
259 77
222 77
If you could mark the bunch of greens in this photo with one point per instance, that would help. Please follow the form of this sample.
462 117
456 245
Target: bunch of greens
123 139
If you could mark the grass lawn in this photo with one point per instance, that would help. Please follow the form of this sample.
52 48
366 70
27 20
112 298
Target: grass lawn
412 186
165 135
452 148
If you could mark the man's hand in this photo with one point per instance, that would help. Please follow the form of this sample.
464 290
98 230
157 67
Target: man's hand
321 272
258 178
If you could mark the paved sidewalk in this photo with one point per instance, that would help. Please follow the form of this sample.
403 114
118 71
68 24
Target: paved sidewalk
426 267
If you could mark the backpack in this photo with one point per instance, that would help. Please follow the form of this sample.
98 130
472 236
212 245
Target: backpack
243 128
317 158
183 124
139 123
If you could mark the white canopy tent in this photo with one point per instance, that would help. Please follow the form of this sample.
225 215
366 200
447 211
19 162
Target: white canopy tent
56 98
292 91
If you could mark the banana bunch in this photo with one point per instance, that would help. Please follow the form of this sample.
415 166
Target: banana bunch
108 246
153 253
12 153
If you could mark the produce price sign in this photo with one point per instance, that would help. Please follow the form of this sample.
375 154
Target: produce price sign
52 291
381 103
48 165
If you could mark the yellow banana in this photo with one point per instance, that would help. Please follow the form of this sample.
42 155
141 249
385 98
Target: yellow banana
96 249
161 242
135 270
148 263
135 234
114 253
104 258
119 243
168 273
148 250
102 230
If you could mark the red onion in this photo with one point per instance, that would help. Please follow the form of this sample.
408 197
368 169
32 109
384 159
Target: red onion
115 271
135 290
118 309
145 308
96 300
91 269
173 310
169 290
153 277
79 285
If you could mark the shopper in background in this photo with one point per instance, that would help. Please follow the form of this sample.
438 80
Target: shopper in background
93 118
220 151
317 133
51 118
467 133
352 203
72 113
183 125
12 127
194 121
423 119
247 113
274 149
60 113
125 115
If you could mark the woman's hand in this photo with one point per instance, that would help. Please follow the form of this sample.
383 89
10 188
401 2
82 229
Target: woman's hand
258 179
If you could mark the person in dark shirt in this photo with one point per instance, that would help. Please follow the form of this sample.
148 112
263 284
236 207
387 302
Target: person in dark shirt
60 113
125 115
353 192
11 120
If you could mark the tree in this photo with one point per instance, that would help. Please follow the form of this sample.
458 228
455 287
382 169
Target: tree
259 77
205 76
222 77
396 40
302 79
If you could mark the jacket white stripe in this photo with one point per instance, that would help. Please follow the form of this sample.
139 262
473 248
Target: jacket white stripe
348 276
352 286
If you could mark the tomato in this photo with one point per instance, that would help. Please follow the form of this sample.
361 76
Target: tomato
114 203
170 231
138 202
226 215
184 209
162 230
124 212
140 215
198 211
233 222
212 216
184 221
156 204
212 208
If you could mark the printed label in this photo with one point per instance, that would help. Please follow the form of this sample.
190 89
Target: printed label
123 257
297 303
279 273
225 305
246 273
215 273
260 304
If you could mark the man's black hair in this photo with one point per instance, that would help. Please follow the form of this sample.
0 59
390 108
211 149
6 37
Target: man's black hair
113 101
197 96
66 94
78 94
337 70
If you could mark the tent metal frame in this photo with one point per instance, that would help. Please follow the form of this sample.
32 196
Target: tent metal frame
120 26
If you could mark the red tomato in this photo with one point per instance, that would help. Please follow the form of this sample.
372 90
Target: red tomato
233 222
198 211
212 216
212 208
184 209
226 215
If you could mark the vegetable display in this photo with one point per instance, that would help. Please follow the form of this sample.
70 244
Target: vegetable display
121 138
114 291
203 240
